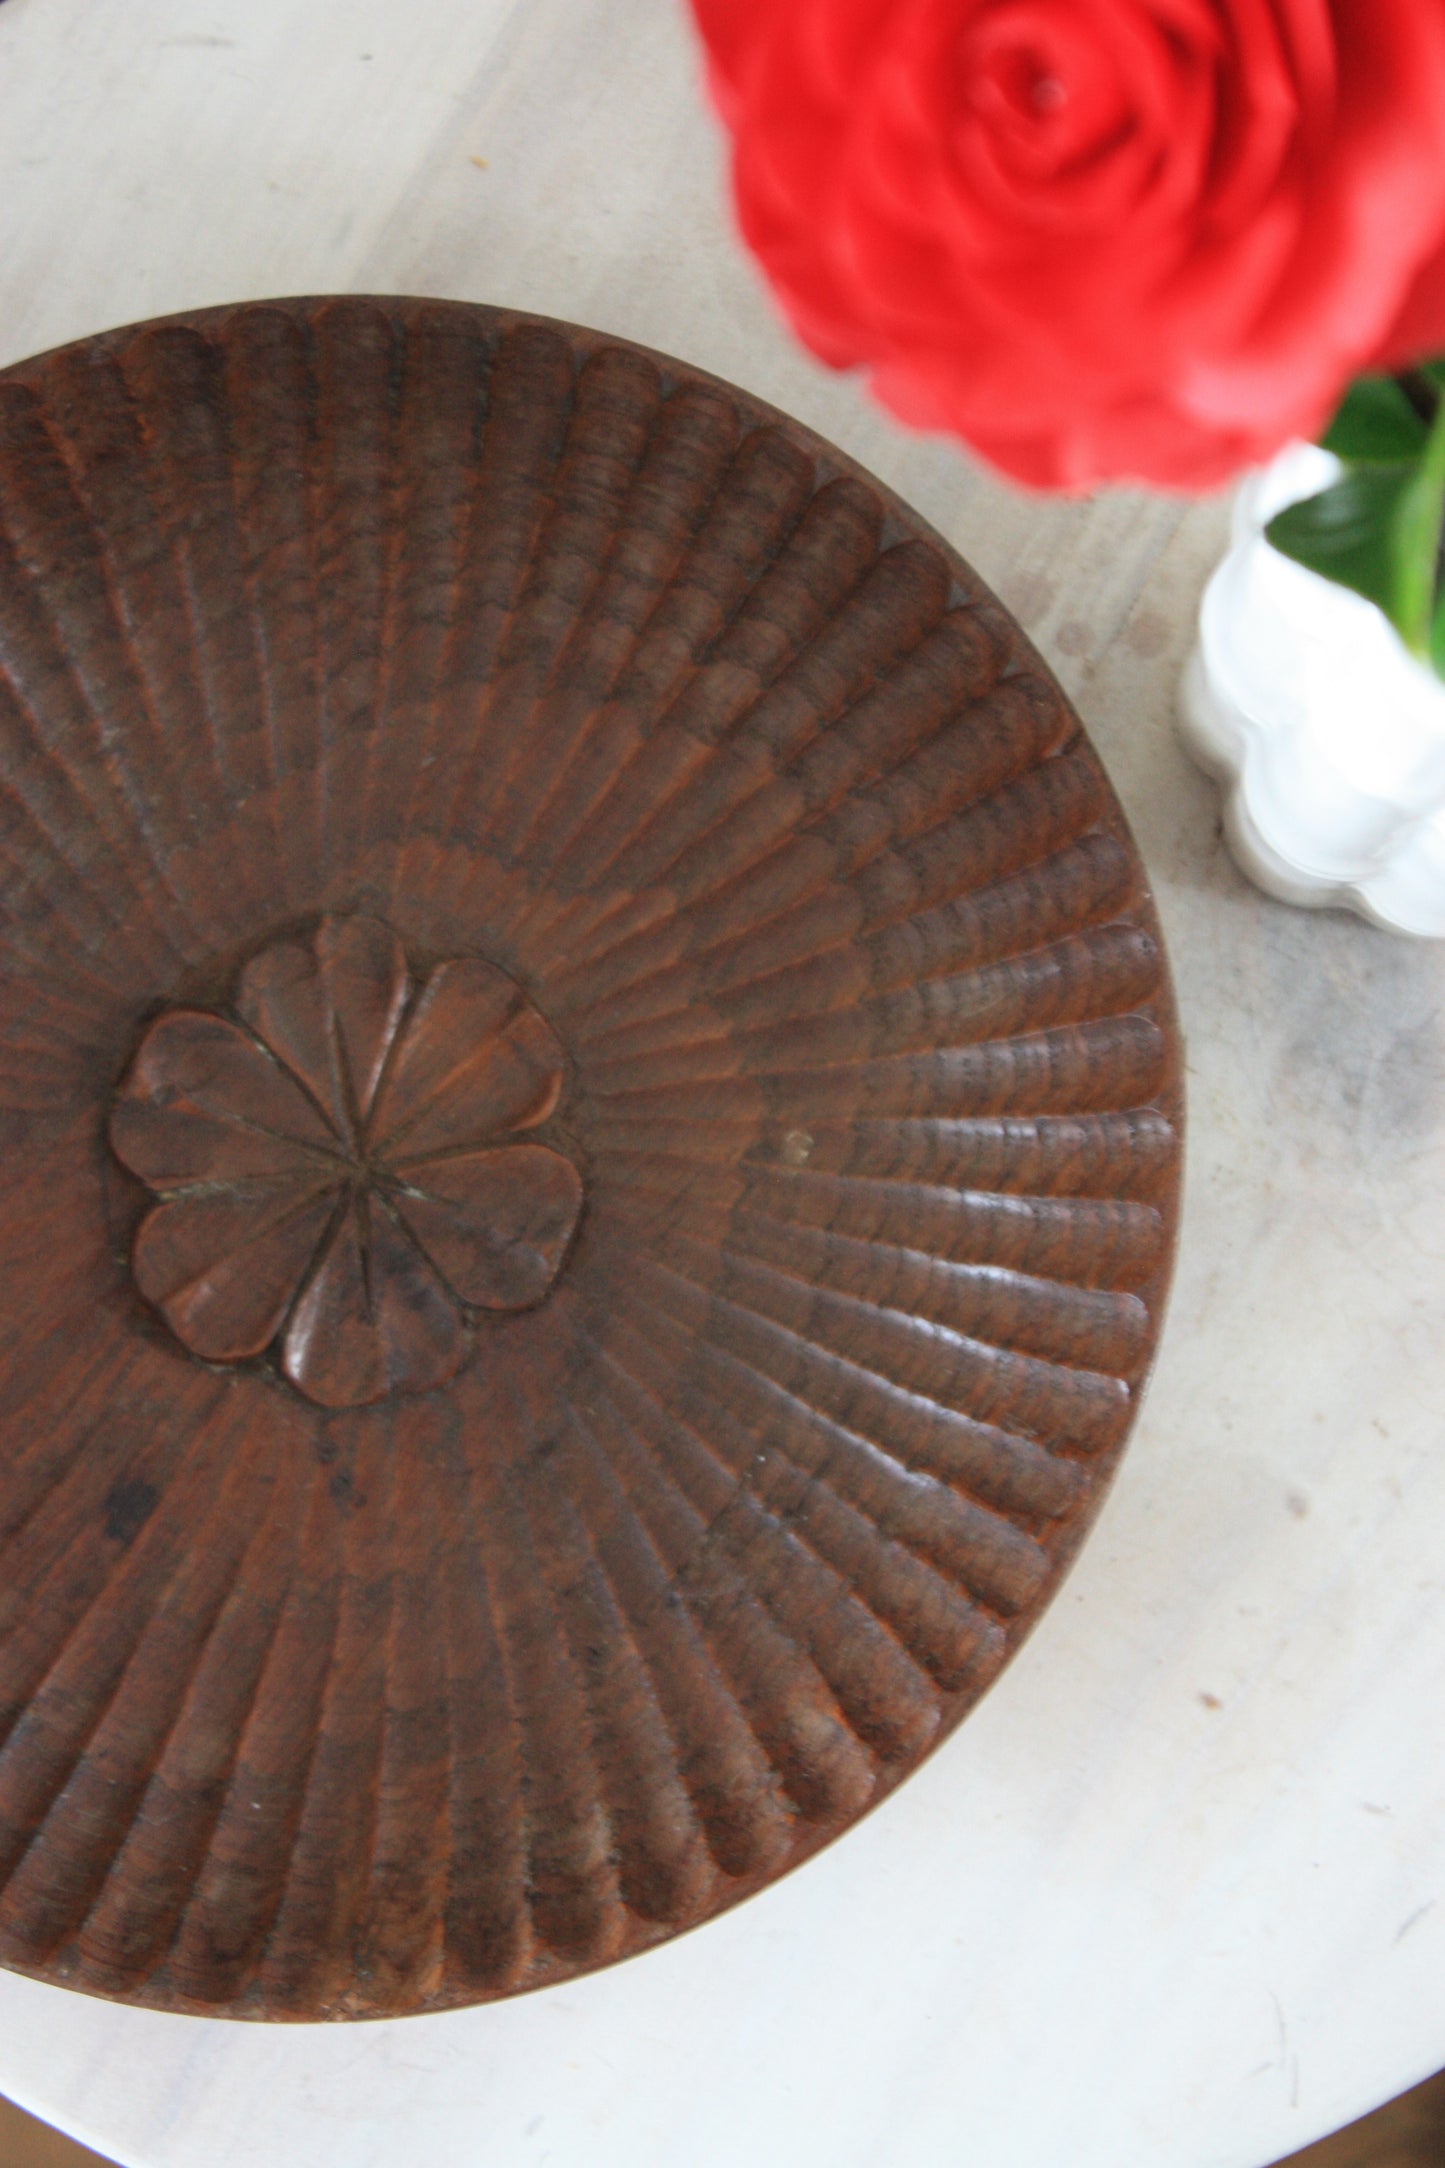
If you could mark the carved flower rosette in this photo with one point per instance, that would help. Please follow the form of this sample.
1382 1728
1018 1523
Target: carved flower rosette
338 1163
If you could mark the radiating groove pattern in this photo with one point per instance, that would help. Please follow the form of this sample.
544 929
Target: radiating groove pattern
549 652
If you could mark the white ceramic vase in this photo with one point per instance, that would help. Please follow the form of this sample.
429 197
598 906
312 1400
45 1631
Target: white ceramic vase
1329 738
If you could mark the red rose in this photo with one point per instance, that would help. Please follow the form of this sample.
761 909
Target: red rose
1100 239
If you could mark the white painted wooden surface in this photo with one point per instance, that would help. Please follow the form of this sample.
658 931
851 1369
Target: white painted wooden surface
1171 1899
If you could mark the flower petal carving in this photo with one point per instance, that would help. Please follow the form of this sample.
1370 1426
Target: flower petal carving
373 1318
334 1168
223 1269
204 1103
329 1009
496 1223
476 1061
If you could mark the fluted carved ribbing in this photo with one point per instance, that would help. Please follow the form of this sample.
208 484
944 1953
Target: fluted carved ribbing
589 1116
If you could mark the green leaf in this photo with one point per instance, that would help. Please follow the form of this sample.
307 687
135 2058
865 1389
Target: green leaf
1437 636
1375 421
1418 523
1350 532
1380 529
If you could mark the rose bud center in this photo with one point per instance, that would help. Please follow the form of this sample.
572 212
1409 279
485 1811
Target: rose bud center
1042 95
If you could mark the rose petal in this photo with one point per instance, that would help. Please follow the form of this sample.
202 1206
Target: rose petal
202 1102
476 1061
731 33
496 1224
1418 332
222 1269
329 1009
373 1318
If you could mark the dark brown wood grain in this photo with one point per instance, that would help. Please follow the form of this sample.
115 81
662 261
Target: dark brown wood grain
589 1126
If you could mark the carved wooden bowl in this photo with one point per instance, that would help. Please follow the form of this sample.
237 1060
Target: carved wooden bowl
589 1111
